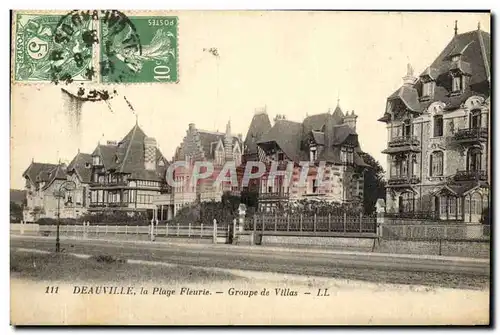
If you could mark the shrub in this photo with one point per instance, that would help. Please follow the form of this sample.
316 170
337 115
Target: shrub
51 221
116 217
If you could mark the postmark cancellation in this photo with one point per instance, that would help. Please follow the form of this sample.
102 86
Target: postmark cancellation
105 46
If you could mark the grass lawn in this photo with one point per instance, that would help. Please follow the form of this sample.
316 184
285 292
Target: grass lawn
105 269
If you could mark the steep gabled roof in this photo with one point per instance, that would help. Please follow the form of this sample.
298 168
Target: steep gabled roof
82 164
258 127
289 136
45 172
128 156
474 50
208 141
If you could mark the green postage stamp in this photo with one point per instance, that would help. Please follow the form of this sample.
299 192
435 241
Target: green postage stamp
143 51
103 46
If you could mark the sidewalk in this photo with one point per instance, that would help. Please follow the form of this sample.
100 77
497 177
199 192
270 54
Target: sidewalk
267 249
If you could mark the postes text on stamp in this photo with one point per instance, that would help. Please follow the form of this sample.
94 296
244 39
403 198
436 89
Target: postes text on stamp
139 49
49 49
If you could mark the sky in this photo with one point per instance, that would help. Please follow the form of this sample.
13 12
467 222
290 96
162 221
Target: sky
294 63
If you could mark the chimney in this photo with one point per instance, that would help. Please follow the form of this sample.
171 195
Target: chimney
350 120
409 79
228 142
111 143
261 110
150 153
191 126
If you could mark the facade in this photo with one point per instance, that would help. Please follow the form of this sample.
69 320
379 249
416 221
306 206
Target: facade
79 171
119 176
42 182
438 130
328 137
127 175
205 146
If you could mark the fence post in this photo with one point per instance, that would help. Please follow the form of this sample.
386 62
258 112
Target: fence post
189 229
329 223
255 224
314 223
214 232
345 223
300 221
166 229
288 222
263 225
97 230
126 230
201 230
137 230
106 230
360 222
177 228
275 221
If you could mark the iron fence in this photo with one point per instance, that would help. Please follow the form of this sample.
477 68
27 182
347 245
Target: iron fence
312 223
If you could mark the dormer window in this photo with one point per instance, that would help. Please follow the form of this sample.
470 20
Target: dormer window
428 89
455 58
161 163
281 156
96 160
87 165
347 155
456 83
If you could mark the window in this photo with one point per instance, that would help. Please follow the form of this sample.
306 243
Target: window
96 160
443 201
347 155
456 84
476 204
452 205
281 156
474 156
438 125
427 89
436 163
475 119
314 186
407 128
406 202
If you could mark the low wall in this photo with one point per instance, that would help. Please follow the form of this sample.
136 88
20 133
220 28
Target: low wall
318 241
476 249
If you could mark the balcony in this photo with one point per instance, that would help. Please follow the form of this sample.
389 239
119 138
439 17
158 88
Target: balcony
110 183
402 181
274 196
402 144
404 140
471 135
471 175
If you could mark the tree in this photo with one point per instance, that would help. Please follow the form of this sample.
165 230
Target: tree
374 185
16 212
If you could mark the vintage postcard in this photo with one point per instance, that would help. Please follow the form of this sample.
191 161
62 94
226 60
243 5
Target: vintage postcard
250 168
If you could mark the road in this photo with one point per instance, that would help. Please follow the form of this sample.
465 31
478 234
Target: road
362 266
